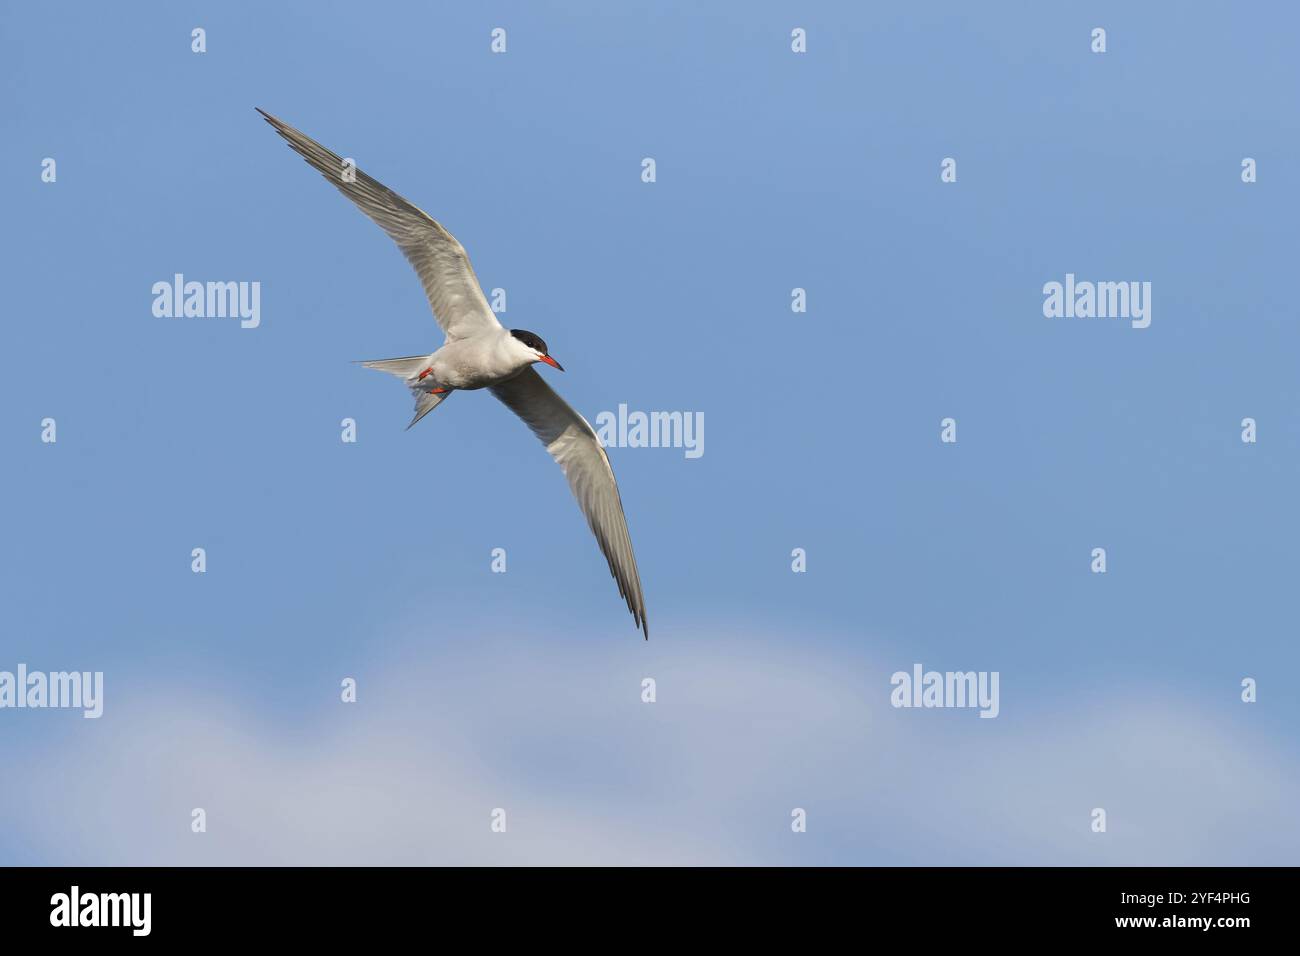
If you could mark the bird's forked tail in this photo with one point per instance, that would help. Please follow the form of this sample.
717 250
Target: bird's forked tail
408 369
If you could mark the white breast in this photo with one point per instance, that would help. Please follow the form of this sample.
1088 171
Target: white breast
479 361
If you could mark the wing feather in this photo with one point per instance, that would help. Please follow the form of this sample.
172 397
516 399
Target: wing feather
574 446
438 259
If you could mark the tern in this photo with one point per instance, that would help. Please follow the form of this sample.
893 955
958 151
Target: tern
480 353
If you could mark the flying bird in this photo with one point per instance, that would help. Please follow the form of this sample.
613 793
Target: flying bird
479 353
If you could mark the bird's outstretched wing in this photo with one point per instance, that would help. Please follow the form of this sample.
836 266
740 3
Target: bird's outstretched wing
573 444
439 260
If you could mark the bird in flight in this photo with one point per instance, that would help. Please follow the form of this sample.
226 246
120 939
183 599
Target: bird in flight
480 353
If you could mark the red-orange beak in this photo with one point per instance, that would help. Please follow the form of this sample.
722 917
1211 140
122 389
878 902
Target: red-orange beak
551 362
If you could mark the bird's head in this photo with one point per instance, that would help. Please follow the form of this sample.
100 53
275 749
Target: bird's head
534 347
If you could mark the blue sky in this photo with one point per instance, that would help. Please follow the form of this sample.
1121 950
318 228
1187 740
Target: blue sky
522 690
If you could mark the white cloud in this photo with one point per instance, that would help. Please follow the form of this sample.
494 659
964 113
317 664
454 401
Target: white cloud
742 732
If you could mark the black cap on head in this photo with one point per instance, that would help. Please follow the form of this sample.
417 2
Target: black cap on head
531 340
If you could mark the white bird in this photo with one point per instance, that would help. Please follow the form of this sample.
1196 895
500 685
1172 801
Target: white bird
480 353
